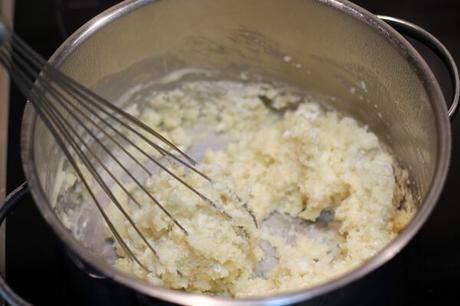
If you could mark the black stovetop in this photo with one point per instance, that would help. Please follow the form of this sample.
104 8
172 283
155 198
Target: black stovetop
426 272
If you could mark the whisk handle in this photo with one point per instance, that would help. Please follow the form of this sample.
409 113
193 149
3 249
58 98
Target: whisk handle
11 297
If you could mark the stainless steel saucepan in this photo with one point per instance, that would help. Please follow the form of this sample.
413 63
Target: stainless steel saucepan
354 59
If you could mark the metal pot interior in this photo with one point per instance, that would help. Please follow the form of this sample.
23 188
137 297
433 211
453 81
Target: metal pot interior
325 48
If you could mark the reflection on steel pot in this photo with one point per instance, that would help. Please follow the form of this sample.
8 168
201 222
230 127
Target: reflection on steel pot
334 44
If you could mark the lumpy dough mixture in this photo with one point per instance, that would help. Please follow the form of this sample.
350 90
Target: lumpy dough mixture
325 192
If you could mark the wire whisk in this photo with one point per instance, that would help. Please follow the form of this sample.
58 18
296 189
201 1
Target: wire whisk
79 119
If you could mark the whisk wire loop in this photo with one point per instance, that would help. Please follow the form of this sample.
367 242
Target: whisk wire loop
79 119
82 123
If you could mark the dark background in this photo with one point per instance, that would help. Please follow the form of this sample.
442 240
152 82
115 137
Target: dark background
426 272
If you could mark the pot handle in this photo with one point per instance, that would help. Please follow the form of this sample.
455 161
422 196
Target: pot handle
416 32
11 297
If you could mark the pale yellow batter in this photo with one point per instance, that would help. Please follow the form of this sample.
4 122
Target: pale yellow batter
326 194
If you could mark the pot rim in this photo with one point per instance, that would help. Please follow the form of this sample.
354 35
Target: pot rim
443 159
